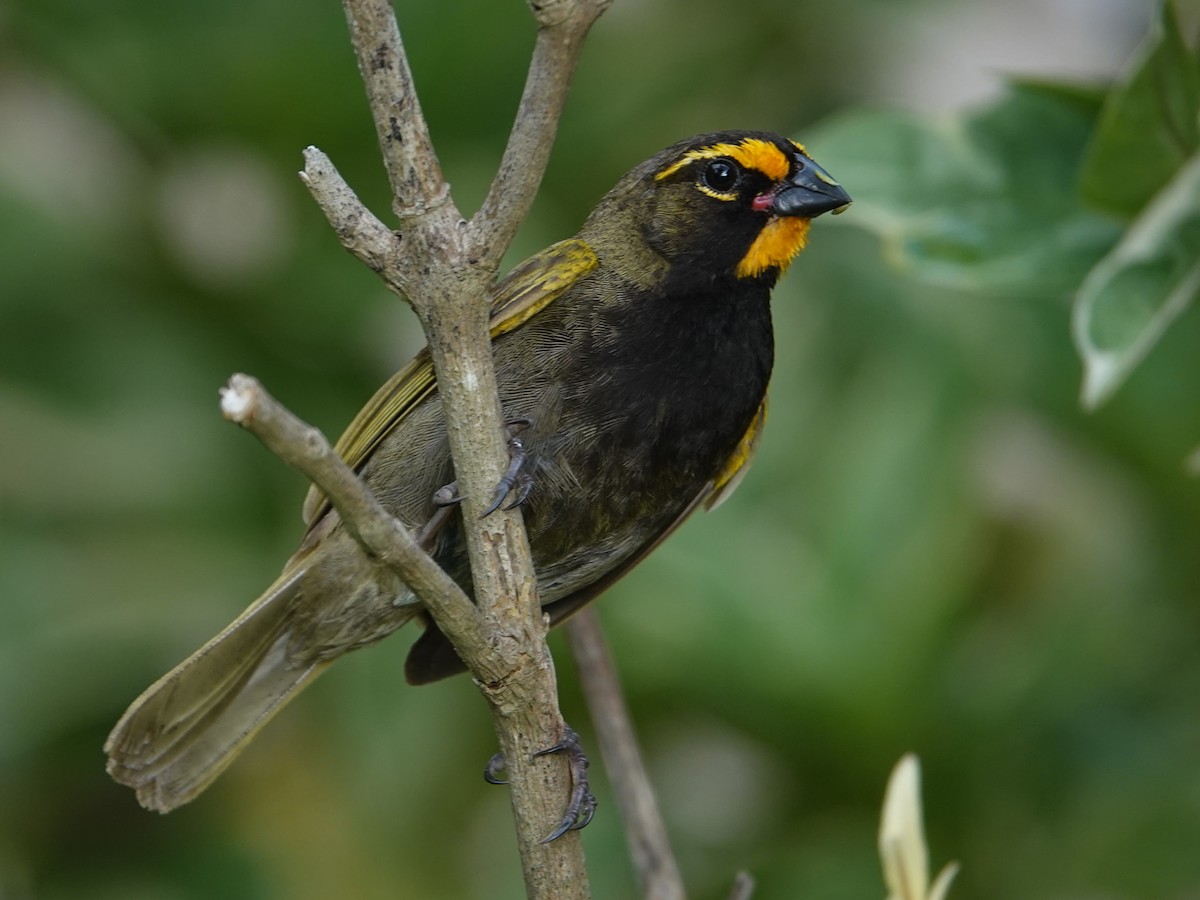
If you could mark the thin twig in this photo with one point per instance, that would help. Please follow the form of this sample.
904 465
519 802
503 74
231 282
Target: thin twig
561 32
245 401
408 154
554 871
357 227
649 845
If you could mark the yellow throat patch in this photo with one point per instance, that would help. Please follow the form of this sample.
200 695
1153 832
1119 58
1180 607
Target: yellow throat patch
775 247
782 237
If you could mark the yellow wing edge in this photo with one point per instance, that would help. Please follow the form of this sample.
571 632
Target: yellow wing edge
735 468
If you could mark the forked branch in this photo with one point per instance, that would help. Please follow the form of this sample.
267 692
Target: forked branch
444 267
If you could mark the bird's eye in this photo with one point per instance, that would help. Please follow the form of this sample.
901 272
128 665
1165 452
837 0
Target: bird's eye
720 175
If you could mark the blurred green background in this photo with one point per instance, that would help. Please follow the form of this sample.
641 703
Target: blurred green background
936 550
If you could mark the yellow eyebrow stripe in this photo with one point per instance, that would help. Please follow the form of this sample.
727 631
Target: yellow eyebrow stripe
751 153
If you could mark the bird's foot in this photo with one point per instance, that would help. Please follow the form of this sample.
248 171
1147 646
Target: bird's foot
441 514
445 499
513 480
582 805
447 495
491 772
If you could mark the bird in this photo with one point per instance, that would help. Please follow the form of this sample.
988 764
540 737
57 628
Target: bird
632 362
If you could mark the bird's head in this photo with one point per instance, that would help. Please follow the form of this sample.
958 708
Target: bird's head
731 205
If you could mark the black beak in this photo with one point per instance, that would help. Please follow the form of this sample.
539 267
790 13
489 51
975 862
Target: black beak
809 192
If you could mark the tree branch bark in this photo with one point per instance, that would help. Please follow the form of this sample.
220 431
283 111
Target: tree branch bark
246 402
649 847
444 267
359 231
408 155
562 27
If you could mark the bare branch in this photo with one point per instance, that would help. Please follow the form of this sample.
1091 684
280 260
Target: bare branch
360 232
246 402
445 270
511 664
408 155
562 27
448 285
649 846
512 667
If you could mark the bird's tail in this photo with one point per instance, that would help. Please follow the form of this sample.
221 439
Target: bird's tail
183 731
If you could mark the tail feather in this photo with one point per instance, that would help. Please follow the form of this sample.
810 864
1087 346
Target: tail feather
187 727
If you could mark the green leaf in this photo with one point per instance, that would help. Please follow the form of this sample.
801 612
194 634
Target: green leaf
1134 293
1149 126
982 200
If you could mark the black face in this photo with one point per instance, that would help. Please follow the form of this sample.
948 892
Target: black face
708 206
726 207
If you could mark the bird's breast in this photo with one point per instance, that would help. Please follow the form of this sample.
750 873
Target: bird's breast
635 405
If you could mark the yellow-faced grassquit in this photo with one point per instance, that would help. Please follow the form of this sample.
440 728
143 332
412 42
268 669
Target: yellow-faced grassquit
633 359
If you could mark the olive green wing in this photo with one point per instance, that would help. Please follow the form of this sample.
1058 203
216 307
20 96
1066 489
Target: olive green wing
525 291
537 282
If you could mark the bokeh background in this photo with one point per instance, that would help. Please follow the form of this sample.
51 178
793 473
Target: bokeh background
936 549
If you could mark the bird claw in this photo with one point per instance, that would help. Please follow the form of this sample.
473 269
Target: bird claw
522 488
513 478
491 772
447 495
582 805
